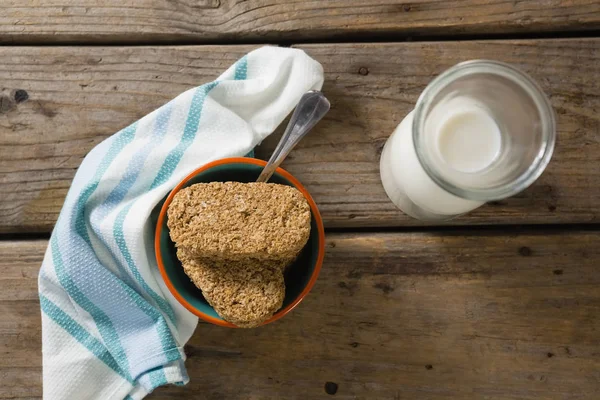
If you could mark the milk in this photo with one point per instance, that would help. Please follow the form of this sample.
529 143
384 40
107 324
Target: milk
465 135
462 139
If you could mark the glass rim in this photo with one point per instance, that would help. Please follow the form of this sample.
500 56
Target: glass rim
541 102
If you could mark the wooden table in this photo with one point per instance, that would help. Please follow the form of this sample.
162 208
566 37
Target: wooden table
503 303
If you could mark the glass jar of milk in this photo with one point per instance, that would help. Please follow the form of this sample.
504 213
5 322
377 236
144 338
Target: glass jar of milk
481 131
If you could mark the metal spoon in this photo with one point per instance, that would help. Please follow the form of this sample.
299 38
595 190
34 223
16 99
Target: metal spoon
312 107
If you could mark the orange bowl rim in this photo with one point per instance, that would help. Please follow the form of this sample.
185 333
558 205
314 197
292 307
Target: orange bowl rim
238 160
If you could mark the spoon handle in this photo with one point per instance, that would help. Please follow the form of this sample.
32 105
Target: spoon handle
312 107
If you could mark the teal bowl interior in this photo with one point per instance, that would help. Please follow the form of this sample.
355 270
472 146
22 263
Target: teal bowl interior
297 275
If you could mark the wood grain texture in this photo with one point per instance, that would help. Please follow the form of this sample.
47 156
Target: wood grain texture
167 21
446 315
20 321
79 96
374 86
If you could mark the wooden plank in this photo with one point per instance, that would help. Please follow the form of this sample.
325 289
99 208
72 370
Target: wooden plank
20 324
446 315
374 86
92 93
98 90
168 21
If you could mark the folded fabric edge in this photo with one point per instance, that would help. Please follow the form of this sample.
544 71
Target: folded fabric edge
171 373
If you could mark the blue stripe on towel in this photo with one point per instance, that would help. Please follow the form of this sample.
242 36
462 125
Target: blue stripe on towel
71 248
80 334
134 169
241 69
107 311
189 133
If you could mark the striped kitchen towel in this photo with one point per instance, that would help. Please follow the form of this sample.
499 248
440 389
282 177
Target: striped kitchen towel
110 328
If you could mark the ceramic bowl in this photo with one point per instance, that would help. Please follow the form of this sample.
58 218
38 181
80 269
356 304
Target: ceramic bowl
299 277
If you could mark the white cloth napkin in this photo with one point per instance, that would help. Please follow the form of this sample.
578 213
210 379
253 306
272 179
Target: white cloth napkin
110 328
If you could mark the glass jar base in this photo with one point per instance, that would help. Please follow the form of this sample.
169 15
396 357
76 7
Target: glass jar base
400 200
412 210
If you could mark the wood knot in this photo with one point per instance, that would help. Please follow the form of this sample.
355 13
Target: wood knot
331 388
189 350
525 251
384 287
21 96
557 272
406 7
363 71
354 274
429 367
